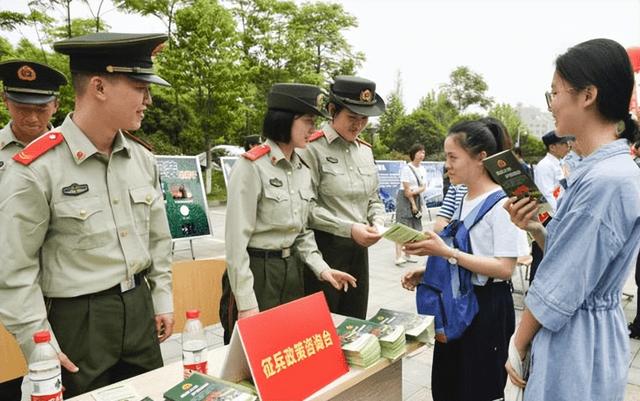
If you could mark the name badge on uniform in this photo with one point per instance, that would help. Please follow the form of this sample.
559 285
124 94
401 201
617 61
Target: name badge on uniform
275 182
75 189
332 159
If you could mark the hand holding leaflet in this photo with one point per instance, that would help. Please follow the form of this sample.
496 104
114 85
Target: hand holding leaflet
401 233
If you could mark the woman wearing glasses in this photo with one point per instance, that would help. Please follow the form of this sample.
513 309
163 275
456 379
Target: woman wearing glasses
574 323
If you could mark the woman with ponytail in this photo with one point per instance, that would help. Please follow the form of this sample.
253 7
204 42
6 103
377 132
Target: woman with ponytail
470 368
573 323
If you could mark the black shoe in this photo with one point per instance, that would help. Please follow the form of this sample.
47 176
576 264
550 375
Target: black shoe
633 332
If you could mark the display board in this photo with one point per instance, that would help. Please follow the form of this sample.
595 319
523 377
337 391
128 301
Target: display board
184 196
433 195
389 182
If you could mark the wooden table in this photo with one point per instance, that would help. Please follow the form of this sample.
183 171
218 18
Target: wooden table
381 381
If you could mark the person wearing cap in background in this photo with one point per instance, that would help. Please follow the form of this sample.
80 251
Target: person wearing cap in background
30 93
548 172
251 141
89 230
269 199
345 177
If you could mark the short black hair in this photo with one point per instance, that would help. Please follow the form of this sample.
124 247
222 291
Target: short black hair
277 125
415 148
605 64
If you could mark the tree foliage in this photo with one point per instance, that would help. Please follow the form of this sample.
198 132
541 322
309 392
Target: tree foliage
467 88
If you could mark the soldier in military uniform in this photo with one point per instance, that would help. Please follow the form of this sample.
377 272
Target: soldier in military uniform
268 203
88 228
346 181
30 93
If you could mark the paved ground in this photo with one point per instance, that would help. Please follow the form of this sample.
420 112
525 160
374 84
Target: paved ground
385 291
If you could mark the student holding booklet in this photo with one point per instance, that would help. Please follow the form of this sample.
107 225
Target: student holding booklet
471 366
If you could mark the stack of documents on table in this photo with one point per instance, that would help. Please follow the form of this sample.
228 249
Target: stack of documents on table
418 327
199 387
363 341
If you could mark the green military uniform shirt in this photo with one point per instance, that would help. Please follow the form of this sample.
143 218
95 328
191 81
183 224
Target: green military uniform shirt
268 204
92 220
9 146
346 180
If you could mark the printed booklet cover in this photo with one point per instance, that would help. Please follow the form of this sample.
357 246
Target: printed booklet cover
355 339
199 387
419 327
507 171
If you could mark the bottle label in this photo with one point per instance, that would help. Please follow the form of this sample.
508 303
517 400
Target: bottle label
200 367
50 397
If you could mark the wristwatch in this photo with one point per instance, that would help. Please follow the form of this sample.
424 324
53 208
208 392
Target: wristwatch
453 259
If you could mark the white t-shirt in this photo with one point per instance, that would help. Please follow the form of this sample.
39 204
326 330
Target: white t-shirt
494 235
406 175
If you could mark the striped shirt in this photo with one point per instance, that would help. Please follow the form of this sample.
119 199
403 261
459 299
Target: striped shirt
451 200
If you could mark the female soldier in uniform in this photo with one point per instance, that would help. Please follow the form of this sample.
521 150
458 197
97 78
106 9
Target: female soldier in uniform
268 204
346 179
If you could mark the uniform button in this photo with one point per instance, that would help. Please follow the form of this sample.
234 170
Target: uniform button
52 136
350 168
83 213
116 201
148 198
124 233
347 150
288 172
293 192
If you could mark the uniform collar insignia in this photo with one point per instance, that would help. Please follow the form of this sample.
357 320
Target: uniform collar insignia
332 159
275 182
75 189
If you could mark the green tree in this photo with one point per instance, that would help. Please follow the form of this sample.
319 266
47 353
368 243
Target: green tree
419 127
394 111
440 107
78 27
164 10
467 88
203 66
511 120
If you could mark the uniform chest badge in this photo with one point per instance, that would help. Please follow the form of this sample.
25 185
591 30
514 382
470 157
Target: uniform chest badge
275 182
75 189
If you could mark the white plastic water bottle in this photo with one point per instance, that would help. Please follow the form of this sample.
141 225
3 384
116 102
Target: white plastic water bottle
44 369
194 345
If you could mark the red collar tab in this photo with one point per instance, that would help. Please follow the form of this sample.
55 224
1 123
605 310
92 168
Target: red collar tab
316 135
38 147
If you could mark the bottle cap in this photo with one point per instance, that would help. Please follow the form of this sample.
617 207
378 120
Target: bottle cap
42 337
193 314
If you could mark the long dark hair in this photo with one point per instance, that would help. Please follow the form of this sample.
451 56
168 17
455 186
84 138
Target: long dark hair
603 63
487 134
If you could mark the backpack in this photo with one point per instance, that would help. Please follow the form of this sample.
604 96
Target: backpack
446 291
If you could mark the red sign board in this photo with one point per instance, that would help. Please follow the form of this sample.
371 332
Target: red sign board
293 350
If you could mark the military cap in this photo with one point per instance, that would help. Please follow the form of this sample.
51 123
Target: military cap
550 138
107 52
30 82
356 94
297 98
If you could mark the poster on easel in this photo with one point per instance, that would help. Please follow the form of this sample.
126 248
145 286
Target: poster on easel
389 182
184 197
302 354
226 164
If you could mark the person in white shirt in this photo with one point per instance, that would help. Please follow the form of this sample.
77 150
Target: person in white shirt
548 172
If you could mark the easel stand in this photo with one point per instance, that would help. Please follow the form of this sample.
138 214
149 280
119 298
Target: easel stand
173 247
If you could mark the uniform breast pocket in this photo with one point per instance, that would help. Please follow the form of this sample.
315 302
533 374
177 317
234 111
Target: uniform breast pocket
275 207
369 174
142 199
334 179
83 221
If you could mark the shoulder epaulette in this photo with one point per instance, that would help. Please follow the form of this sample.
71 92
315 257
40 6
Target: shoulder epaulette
257 152
38 147
316 135
362 141
134 138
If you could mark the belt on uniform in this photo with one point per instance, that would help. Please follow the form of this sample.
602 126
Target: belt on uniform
269 253
124 285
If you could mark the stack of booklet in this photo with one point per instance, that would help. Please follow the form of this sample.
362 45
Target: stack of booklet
199 387
364 341
416 327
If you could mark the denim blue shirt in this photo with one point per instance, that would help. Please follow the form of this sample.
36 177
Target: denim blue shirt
582 350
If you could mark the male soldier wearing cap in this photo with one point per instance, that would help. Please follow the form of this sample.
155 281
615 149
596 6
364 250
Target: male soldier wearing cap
89 230
548 172
30 93
346 181
269 200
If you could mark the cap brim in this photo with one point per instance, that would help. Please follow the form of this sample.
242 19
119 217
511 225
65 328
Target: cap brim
29 98
370 111
301 107
151 78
